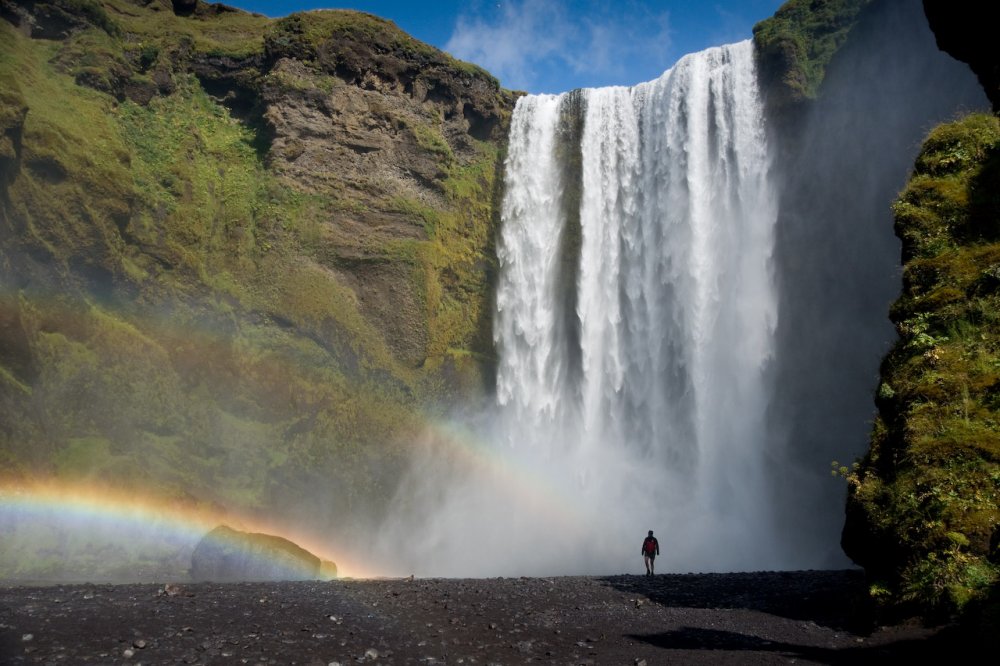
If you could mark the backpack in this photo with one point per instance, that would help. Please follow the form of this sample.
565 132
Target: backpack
649 545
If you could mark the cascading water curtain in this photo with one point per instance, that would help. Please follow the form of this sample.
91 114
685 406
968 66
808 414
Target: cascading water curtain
662 193
634 327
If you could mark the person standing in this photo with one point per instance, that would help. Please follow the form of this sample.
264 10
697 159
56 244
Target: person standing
650 549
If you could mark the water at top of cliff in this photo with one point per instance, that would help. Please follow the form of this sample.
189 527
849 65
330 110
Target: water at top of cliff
635 316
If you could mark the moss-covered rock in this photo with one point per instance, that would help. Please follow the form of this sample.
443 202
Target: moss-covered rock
795 45
923 510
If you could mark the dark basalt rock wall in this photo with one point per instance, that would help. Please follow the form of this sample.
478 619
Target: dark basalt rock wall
967 31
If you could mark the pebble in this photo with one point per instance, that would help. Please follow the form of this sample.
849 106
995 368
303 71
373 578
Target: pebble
27 637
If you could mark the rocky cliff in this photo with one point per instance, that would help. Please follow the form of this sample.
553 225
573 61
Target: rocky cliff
241 259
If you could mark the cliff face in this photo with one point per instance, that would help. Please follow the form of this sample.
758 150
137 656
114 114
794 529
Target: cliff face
239 257
924 504
922 511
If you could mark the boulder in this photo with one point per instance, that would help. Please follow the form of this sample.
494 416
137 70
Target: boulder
228 555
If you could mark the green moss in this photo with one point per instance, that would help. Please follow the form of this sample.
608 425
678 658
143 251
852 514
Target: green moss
928 493
224 34
796 44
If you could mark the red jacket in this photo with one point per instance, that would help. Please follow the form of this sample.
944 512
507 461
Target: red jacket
649 545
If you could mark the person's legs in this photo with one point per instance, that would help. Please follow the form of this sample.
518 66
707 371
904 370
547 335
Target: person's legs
649 564
651 560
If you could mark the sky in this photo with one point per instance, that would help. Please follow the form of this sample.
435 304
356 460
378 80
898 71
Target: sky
551 46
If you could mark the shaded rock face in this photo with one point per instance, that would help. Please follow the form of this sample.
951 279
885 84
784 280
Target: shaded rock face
228 555
184 7
969 34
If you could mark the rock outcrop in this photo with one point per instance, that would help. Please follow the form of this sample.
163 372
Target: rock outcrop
228 555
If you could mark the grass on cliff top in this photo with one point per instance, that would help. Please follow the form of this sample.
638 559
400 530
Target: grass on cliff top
235 34
930 484
801 38
306 31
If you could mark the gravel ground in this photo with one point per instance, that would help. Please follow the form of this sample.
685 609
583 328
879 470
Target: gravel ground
806 617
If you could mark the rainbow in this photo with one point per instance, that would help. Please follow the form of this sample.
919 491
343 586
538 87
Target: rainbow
109 513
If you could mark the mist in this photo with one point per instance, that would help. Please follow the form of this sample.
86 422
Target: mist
698 372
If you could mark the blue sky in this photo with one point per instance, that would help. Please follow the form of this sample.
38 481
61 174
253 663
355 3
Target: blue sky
557 45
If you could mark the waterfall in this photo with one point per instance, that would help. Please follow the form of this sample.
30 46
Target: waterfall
634 329
658 197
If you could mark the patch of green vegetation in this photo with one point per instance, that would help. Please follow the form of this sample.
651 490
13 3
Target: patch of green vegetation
796 44
457 264
224 34
196 167
924 504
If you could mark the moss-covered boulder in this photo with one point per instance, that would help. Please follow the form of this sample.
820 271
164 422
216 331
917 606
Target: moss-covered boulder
923 511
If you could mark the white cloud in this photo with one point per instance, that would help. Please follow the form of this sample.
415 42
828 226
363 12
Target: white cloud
530 44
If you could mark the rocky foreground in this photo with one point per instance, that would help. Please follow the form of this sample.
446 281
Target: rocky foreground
810 617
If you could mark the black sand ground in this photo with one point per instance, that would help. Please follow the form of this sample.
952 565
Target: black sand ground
810 617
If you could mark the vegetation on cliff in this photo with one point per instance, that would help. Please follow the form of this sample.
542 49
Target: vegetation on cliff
198 299
795 45
924 504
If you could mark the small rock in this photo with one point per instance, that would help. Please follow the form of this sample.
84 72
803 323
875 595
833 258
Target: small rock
371 654
640 662
128 653
27 637
139 643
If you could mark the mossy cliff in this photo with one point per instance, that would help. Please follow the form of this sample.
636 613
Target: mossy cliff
923 512
924 504
241 259
795 46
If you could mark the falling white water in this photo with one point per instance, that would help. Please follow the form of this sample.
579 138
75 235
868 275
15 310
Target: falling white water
642 408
